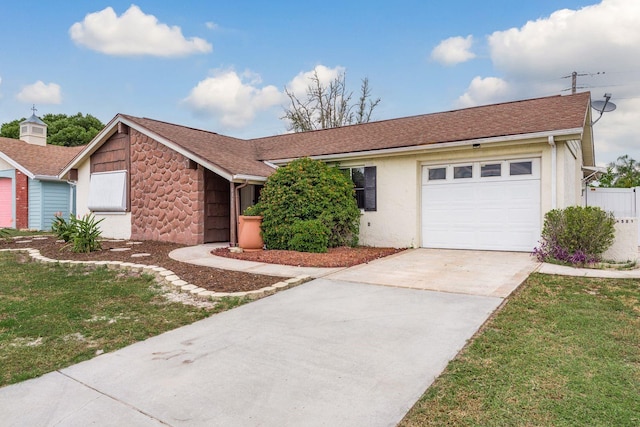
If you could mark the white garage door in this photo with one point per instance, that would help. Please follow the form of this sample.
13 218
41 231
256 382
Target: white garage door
492 205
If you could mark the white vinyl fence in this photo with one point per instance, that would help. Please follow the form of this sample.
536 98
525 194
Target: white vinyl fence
621 201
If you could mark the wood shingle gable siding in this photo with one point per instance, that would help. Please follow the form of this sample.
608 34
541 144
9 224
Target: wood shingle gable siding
113 155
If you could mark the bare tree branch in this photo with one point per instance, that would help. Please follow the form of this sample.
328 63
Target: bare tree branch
328 106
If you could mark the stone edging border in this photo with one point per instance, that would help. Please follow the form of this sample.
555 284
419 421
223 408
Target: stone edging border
168 277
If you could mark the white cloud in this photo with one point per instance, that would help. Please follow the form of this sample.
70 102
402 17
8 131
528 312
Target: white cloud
212 25
594 38
484 91
616 133
298 85
453 50
40 93
601 42
133 33
231 98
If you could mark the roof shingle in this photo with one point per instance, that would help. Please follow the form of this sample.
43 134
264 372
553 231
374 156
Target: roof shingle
506 119
236 156
39 160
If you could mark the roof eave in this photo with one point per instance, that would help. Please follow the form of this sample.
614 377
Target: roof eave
16 165
111 128
433 146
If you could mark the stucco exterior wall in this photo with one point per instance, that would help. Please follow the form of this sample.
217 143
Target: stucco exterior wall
397 220
114 225
167 196
569 175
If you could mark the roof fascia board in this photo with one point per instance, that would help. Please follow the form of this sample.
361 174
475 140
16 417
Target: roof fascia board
16 165
515 139
48 178
243 178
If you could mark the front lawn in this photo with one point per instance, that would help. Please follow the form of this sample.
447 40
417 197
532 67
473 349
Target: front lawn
564 351
53 316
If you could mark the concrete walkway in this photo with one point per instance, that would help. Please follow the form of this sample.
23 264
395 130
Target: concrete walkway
563 270
201 255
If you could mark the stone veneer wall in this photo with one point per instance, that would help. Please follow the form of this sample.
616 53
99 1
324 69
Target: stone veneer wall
167 197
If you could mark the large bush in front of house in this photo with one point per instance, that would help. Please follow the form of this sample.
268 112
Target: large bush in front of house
308 206
576 235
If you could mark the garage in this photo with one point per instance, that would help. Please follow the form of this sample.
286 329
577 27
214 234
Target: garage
6 207
488 205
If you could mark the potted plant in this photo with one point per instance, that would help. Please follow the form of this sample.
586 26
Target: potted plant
249 230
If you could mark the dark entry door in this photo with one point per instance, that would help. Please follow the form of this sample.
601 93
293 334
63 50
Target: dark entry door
217 207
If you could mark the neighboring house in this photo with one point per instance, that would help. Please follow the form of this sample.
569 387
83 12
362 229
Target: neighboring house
30 191
475 178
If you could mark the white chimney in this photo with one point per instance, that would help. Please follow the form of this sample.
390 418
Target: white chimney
33 130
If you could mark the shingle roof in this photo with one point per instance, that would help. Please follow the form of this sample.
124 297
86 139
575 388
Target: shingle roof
246 157
236 156
39 160
512 118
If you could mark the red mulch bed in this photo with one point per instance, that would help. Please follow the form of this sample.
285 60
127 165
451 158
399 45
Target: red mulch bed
335 257
210 278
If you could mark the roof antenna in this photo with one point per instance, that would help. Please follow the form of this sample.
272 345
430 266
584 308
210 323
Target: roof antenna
602 107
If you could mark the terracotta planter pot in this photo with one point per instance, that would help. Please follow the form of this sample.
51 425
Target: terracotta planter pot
249 237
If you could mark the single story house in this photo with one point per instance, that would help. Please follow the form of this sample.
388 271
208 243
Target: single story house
474 178
31 193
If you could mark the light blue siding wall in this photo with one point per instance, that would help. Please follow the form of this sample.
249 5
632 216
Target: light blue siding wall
35 204
46 198
56 196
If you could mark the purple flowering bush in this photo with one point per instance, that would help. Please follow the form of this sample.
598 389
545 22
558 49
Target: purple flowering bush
576 235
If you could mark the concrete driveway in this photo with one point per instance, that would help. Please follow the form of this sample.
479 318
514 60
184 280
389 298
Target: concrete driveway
329 352
487 273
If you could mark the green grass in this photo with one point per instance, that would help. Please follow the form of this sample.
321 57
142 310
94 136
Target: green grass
564 351
53 316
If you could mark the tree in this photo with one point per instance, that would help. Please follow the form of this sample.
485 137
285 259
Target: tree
624 173
63 130
329 106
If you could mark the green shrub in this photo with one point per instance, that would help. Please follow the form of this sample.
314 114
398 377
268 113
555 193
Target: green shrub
82 234
306 190
309 236
578 235
61 228
86 234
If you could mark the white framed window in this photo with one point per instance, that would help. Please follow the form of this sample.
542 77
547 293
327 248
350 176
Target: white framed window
108 192
462 172
521 168
490 170
437 173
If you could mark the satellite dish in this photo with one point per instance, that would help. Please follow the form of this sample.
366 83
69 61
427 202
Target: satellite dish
603 106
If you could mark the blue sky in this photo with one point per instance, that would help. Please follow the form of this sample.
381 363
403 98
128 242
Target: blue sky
223 66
